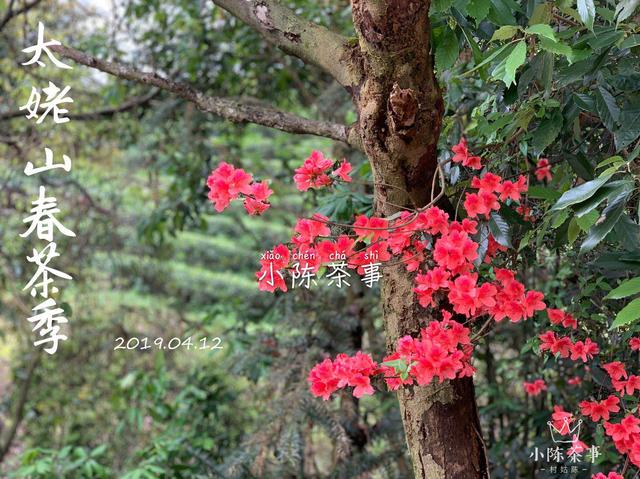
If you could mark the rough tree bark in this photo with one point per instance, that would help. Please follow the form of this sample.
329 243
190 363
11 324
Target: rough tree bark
389 73
400 112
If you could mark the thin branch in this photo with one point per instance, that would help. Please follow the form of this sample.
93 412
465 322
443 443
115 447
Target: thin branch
127 105
306 40
11 13
18 412
228 108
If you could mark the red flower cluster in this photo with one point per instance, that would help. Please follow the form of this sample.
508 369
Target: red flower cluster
314 172
600 410
577 446
559 317
329 376
534 388
271 277
629 385
525 212
564 347
543 170
611 475
461 155
490 189
561 420
227 183
443 350
634 344
615 369
626 437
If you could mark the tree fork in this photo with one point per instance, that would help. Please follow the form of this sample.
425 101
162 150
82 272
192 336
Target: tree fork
400 112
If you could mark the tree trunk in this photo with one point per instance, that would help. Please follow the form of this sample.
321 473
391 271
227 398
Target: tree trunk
400 113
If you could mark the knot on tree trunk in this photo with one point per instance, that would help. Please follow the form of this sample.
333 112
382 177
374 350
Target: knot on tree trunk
403 106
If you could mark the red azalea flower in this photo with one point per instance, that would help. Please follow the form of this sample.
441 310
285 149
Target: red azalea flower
600 410
343 171
534 388
543 170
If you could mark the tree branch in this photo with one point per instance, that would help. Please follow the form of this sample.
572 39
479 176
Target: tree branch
230 109
18 411
306 40
11 13
127 105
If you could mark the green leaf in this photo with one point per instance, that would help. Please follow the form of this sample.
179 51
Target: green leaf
585 102
524 242
579 193
547 132
582 166
475 49
610 216
559 218
441 5
629 130
607 108
611 160
610 190
542 13
503 49
587 12
625 9
628 233
499 229
557 48
478 9
605 39
628 314
504 33
542 30
588 220
625 289
446 49
630 42
515 59
543 193
573 231
501 12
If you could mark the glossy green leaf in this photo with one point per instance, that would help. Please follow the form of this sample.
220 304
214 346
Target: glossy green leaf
625 289
610 216
630 42
628 314
607 108
610 190
625 8
587 12
579 193
500 230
